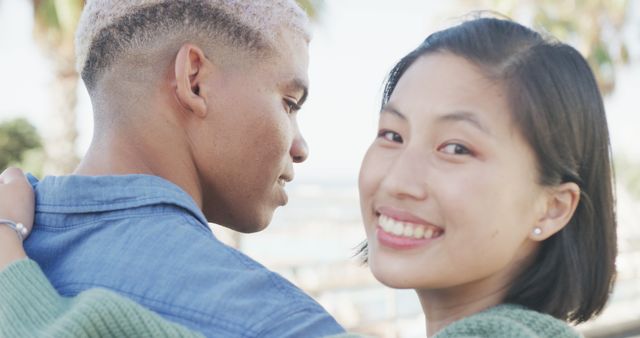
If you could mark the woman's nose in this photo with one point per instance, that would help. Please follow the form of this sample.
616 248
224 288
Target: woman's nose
406 177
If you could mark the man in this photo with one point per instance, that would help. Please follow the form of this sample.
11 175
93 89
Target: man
195 120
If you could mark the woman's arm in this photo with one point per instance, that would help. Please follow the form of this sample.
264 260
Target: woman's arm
31 307
17 205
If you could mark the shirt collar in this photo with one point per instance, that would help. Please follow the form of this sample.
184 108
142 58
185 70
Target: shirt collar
90 194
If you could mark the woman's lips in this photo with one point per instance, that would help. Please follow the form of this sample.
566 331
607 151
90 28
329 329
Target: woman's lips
401 230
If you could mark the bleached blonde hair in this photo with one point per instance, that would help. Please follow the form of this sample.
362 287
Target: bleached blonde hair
109 29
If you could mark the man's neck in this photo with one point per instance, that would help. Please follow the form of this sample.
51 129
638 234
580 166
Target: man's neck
129 154
112 157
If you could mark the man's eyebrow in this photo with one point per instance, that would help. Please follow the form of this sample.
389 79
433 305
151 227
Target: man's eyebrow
300 85
389 108
464 116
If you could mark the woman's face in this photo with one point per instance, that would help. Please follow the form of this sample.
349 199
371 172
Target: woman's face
448 189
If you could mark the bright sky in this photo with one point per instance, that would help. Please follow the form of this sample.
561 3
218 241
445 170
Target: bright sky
356 42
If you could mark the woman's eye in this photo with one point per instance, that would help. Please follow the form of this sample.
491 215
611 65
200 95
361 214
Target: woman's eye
455 149
291 106
390 136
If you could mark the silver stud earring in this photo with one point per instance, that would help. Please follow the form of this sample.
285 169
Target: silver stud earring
537 231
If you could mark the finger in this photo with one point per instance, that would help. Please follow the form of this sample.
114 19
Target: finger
11 174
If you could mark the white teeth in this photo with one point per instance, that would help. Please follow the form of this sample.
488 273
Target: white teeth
405 229
386 227
398 228
418 232
408 231
428 233
386 224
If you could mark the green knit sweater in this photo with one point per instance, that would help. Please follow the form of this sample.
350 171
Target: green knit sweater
31 307
508 321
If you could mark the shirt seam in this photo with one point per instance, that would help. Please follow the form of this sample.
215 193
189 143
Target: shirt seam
201 227
130 201
128 215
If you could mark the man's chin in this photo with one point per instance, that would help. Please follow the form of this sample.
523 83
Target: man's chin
252 226
250 220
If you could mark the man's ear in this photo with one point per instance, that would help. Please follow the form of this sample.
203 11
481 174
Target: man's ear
561 204
190 70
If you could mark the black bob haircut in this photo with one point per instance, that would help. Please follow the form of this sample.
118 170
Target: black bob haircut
556 104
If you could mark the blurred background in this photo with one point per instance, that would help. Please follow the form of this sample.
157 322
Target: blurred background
46 126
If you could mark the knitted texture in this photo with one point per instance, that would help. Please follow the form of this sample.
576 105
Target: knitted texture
30 307
508 321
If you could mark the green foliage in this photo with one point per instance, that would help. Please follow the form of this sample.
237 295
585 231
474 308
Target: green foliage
592 26
19 141
312 7
45 12
55 25
58 15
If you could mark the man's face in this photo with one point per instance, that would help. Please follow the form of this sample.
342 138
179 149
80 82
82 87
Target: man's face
250 139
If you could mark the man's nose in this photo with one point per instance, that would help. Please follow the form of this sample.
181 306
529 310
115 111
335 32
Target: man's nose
299 150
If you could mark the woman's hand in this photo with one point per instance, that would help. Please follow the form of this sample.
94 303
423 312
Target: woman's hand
17 203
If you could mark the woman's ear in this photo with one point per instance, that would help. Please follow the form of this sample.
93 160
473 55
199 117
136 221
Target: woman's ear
561 203
190 71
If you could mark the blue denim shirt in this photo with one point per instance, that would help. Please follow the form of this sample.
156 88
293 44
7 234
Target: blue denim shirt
144 238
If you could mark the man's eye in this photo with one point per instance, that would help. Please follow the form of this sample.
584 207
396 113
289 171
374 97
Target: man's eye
291 106
455 149
390 136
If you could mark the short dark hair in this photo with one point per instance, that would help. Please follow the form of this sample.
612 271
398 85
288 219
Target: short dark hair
556 104
109 29
113 40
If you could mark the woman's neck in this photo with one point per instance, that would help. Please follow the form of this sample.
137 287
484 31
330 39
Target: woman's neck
445 306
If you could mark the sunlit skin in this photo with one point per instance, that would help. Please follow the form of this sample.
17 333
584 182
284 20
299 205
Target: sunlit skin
448 157
243 169
225 131
17 204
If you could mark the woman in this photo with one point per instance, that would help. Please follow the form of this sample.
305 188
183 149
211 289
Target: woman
488 190
490 180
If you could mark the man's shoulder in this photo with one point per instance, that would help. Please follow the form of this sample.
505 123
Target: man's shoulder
88 195
168 263
148 241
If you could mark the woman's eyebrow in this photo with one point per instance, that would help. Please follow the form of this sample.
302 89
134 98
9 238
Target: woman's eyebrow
456 116
464 116
389 108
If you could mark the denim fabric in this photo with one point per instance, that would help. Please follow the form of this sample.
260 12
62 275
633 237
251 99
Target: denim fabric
144 238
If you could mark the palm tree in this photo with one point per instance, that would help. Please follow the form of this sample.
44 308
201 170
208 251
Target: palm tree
312 7
592 26
55 24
